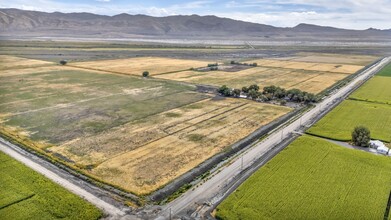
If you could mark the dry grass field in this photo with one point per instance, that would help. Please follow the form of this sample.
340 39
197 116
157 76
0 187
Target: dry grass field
132 132
310 81
135 66
312 66
12 62
161 147
361 60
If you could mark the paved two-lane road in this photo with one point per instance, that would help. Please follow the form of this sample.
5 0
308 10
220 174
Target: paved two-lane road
213 186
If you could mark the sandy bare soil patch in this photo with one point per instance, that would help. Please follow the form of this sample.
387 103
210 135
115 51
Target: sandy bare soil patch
136 66
144 155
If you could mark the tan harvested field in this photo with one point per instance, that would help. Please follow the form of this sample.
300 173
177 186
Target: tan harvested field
161 147
138 134
136 66
12 62
319 83
361 60
324 67
310 81
40 69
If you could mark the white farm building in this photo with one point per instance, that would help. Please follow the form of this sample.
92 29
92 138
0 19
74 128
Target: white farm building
380 147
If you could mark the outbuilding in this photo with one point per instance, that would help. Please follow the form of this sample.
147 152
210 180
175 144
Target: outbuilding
376 144
383 150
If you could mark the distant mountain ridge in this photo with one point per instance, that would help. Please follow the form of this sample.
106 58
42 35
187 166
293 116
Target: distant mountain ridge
33 23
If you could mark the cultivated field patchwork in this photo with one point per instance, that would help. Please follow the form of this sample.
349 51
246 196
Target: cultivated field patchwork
313 179
136 133
142 133
143 155
368 106
309 81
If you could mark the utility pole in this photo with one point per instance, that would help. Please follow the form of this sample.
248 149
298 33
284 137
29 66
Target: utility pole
170 215
282 134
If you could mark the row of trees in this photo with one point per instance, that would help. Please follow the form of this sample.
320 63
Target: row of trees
269 93
233 62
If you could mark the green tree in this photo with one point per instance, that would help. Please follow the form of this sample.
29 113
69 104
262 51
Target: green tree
254 87
225 91
236 92
280 93
145 74
361 136
245 89
63 62
253 94
295 95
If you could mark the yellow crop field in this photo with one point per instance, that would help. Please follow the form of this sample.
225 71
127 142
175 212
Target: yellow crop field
135 66
40 69
360 60
12 62
162 147
323 67
310 81
319 83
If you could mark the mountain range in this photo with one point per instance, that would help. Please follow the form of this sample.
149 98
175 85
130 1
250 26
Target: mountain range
15 22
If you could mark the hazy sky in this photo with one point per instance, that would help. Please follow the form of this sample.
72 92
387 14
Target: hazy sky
351 14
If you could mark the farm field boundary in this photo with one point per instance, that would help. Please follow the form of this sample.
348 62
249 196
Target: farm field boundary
188 177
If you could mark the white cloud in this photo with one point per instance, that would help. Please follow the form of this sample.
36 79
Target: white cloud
103 0
158 12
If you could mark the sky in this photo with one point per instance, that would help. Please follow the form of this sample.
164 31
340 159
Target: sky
349 14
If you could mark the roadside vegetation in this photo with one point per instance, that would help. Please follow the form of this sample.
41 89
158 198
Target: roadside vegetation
26 194
386 71
313 179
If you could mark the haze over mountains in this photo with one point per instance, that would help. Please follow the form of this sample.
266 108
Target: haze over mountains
21 23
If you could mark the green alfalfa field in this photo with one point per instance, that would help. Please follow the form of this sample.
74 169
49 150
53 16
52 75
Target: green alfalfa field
313 179
25 194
